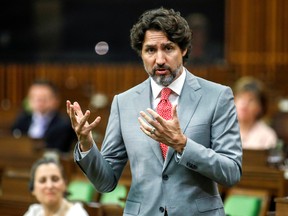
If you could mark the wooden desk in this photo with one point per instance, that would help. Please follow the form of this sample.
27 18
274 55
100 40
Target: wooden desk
20 153
17 152
265 178
253 157
281 206
11 206
257 174
14 183
15 206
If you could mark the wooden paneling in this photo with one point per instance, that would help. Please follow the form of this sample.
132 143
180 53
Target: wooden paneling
257 45
256 35
255 31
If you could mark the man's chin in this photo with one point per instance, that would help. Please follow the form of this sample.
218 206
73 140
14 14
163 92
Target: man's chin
163 80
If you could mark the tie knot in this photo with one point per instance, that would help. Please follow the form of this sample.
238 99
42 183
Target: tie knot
165 93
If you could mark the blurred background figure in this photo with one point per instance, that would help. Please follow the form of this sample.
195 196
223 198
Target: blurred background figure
42 120
204 50
251 105
280 125
48 185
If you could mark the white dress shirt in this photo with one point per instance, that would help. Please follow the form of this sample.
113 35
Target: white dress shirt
39 125
175 86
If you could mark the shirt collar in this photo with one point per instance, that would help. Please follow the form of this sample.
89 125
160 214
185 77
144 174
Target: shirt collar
176 86
43 117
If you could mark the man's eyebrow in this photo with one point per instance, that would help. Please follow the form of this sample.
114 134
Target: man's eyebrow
149 45
162 45
168 44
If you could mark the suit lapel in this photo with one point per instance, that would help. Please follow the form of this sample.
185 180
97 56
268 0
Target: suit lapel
143 101
187 104
188 100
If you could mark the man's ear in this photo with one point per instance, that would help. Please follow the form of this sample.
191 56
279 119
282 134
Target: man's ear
184 52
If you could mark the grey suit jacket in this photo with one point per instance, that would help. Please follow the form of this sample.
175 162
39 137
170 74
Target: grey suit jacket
188 186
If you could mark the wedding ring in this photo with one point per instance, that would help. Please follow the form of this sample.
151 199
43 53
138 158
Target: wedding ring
152 131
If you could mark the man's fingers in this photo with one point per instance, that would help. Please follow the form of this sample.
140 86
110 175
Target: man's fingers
174 111
73 110
142 122
95 122
156 116
84 119
144 126
77 109
71 113
68 103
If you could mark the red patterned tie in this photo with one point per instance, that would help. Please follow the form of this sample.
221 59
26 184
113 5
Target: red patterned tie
164 109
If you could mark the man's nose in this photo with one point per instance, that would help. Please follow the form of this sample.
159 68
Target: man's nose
160 58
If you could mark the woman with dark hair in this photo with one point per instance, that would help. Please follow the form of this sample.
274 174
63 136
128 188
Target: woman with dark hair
48 185
251 105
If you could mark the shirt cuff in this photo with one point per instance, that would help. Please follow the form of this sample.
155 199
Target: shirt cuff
82 154
179 155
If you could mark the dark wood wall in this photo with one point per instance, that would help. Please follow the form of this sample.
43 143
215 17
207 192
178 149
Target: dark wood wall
256 43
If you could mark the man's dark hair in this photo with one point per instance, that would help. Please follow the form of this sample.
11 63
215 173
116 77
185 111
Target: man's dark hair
171 23
42 82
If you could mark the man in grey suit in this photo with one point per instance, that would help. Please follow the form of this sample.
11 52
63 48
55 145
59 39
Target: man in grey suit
202 134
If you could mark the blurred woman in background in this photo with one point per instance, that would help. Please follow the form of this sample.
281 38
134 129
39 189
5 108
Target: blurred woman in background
47 184
251 105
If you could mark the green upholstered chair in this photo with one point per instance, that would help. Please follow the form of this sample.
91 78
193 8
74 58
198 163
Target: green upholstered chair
80 190
242 205
117 196
246 202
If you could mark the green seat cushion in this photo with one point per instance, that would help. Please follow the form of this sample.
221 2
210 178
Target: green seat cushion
80 191
241 205
115 197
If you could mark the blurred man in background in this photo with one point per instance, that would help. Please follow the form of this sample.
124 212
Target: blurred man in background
42 120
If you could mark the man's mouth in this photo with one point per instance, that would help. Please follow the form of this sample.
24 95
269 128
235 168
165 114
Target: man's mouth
161 71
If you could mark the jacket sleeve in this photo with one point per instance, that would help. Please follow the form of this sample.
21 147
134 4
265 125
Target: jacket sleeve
104 168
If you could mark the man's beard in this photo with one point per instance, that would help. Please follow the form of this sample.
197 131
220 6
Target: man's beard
165 80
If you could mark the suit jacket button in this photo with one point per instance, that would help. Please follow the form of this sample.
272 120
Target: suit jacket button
192 166
165 177
161 209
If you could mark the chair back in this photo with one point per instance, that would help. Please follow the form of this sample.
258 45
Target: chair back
117 196
80 190
246 202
